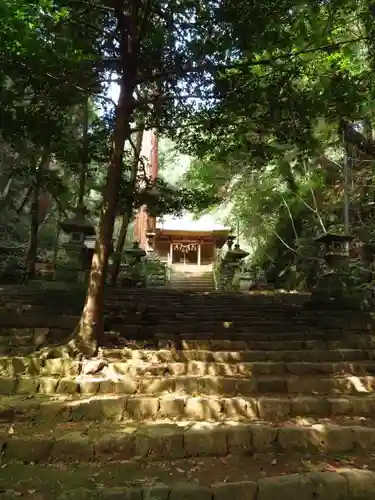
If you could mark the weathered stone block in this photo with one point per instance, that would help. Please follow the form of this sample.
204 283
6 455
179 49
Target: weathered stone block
157 492
47 385
269 368
160 443
274 408
89 409
27 385
141 408
34 365
126 385
329 486
240 408
119 493
291 487
60 367
212 442
296 439
28 449
364 438
106 387
276 384
339 439
246 387
73 445
113 408
203 408
308 385
8 385
67 386
119 446
55 410
89 386
156 385
190 492
263 437
14 366
186 385
172 407
240 440
309 406
360 483
364 406
343 406
244 490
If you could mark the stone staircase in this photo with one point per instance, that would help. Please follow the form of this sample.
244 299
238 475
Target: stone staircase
193 278
254 393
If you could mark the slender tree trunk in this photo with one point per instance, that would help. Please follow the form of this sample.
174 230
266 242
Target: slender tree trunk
128 209
56 244
32 250
84 155
118 251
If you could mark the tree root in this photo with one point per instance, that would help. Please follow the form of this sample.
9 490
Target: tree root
76 347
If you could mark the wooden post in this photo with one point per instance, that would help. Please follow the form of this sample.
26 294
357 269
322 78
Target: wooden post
199 253
170 256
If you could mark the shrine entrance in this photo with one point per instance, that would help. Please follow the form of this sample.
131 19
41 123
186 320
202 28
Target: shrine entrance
185 253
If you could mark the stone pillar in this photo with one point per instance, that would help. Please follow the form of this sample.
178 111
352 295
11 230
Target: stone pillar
199 252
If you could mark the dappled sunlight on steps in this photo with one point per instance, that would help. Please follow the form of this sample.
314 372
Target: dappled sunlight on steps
187 376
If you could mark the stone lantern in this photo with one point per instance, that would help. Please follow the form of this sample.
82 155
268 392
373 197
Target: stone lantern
78 228
134 259
230 266
330 291
336 249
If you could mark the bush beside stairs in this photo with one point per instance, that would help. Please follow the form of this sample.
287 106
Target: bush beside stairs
226 381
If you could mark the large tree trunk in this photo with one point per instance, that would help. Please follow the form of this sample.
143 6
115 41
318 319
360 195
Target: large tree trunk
128 209
90 330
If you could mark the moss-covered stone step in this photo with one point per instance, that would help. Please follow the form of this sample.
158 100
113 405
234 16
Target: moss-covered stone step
182 480
161 363
190 385
122 441
206 355
178 407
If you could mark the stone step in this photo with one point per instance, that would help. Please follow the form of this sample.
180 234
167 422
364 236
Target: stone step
123 441
246 362
209 478
115 408
308 355
189 385
158 324
163 363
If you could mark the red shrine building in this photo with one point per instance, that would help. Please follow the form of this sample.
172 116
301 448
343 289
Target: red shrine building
183 243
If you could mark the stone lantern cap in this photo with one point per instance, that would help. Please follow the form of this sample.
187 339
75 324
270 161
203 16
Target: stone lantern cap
329 238
78 224
236 254
135 250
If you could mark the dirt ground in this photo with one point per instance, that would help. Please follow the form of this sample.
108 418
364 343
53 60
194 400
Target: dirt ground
70 480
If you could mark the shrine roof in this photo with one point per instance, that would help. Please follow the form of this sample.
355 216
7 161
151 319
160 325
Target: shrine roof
187 224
